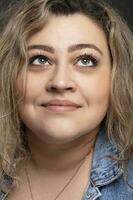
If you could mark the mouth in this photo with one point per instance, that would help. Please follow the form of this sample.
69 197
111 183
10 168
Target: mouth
58 105
60 108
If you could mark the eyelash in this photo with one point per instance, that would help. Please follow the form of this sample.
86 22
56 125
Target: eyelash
84 56
33 58
89 57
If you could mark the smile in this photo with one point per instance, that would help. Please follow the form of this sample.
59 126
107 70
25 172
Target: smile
58 105
58 108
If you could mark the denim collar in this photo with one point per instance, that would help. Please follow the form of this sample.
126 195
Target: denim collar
104 169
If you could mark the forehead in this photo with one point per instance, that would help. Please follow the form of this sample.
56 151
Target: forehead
62 31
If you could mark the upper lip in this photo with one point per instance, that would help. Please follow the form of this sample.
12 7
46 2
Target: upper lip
58 102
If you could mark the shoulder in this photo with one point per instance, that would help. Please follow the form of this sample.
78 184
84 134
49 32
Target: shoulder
3 195
118 189
6 183
108 177
121 188
130 173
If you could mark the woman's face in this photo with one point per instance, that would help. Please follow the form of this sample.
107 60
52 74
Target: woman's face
68 60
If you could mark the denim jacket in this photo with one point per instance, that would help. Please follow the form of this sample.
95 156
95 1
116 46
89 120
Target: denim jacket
106 182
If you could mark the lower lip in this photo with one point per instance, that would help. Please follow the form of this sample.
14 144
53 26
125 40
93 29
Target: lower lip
61 108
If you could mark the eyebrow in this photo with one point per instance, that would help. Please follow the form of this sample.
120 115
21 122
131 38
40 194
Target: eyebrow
72 48
41 47
83 46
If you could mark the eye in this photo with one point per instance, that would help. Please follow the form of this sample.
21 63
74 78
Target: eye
86 60
39 60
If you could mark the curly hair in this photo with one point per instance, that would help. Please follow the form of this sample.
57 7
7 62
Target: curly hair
28 17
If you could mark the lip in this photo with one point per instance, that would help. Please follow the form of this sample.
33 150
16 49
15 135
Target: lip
58 105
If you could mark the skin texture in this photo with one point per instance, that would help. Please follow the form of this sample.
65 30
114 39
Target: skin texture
88 87
60 140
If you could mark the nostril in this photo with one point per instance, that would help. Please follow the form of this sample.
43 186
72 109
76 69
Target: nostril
69 88
60 86
54 89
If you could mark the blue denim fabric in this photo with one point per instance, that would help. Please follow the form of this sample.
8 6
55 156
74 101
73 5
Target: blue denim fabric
107 182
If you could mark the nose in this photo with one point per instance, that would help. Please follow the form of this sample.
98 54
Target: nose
60 81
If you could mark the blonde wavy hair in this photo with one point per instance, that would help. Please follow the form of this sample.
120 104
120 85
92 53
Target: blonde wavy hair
27 18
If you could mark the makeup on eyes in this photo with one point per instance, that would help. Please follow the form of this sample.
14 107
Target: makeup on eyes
43 59
89 60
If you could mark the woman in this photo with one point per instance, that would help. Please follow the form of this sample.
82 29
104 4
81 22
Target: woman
66 102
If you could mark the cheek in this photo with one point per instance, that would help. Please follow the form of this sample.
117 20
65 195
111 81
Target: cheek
96 89
101 90
30 88
29 93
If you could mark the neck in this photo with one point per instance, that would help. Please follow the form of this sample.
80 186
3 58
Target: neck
61 157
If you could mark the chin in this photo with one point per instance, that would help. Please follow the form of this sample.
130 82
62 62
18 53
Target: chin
61 139
58 136
63 136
